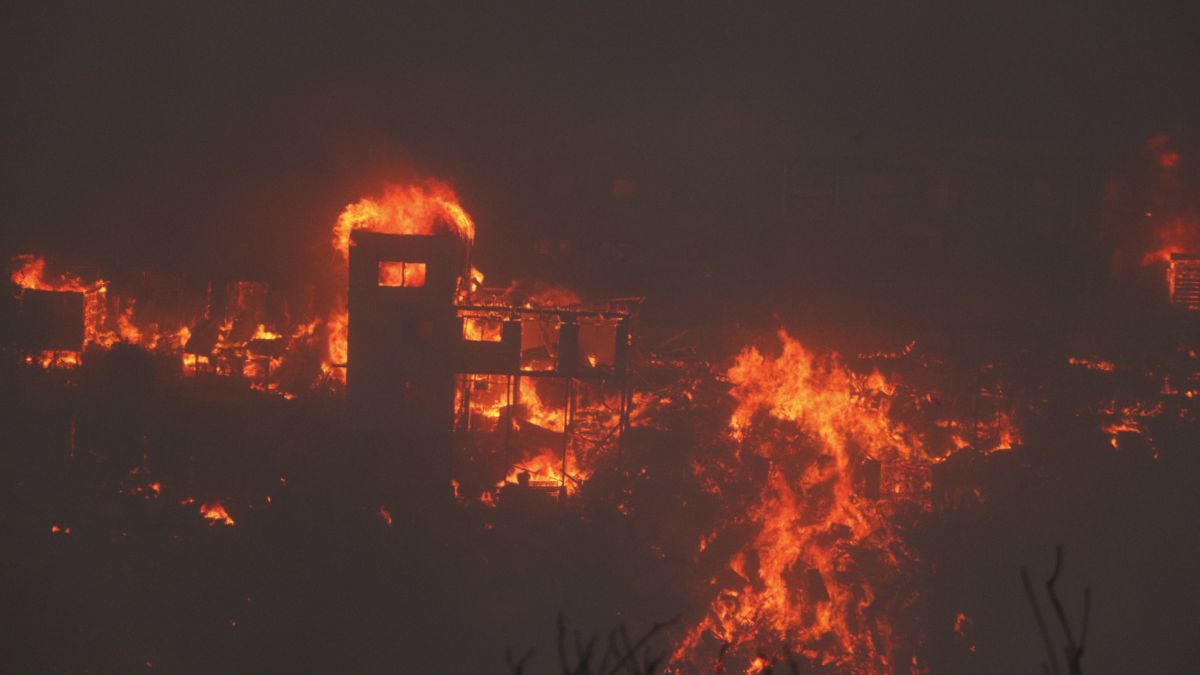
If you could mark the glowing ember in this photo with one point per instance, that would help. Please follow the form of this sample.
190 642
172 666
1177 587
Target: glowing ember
385 515
999 433
962 624
261 333
54 359
545 469
1102 366
1128 420
215 513
148 490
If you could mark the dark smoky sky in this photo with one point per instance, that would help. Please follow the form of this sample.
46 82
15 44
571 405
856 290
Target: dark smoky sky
216 139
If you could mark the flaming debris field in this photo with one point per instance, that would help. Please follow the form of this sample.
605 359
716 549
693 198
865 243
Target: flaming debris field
784 494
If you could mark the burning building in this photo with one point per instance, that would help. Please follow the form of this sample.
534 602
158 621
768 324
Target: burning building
429 355
450 382
399 373
1183 275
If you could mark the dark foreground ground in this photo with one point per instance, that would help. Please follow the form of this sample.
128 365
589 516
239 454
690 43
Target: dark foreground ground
312 579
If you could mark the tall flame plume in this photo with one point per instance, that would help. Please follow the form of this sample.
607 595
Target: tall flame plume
814 578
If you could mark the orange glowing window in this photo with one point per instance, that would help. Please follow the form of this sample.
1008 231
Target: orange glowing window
483 329
401 274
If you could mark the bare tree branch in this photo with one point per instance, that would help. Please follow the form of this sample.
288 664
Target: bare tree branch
517 666
622 653
632 652
1050 667
1072 651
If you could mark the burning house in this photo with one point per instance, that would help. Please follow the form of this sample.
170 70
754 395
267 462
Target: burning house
429 356
452 384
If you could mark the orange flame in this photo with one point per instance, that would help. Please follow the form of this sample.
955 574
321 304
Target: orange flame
1102 366
483 329
1128 420
261 333
215 513
404 209
998 433
815 422
384 515
535 411
423 208
30 273
546 468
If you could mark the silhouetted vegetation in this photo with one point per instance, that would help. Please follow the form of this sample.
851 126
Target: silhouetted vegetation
1072 648
588 656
